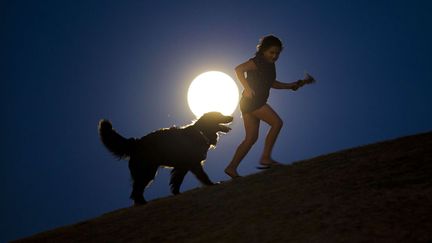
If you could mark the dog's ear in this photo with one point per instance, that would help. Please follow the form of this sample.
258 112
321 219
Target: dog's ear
224 128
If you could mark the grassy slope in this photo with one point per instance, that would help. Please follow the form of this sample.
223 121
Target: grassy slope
379 192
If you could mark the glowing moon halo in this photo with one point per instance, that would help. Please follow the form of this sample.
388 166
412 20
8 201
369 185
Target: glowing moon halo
213 91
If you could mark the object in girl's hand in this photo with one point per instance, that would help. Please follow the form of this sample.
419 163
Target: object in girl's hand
308 79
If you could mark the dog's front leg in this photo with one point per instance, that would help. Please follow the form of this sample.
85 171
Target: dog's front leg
177 176
199 172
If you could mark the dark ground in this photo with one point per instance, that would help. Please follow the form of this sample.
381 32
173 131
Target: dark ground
375 193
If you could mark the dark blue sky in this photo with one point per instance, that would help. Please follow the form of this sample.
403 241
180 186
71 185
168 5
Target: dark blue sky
64 66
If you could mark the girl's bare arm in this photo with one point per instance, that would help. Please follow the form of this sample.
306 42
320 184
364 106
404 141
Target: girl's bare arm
294 85
240 72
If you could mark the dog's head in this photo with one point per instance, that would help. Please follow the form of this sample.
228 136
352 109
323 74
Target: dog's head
211 123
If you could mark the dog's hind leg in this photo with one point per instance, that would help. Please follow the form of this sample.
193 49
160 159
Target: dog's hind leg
177 176
142 175
199 172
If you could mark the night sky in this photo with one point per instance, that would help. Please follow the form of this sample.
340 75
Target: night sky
66 65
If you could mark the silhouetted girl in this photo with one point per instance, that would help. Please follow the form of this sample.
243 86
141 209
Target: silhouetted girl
257 76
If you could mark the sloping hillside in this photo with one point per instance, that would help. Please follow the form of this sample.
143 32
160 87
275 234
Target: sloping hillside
379 192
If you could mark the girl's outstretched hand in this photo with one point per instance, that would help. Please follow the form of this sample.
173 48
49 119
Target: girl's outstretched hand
308 79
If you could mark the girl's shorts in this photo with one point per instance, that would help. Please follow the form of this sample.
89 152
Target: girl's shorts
250 104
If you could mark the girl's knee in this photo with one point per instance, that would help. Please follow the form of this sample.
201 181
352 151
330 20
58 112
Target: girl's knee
278 123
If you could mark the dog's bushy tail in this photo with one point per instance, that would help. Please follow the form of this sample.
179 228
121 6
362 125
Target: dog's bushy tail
119 146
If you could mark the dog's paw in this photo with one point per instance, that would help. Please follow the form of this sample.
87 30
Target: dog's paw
138 204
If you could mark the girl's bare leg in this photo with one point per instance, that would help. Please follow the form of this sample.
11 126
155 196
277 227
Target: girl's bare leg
267 114
251 124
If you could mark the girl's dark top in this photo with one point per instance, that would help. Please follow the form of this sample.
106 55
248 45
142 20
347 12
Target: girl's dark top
260 80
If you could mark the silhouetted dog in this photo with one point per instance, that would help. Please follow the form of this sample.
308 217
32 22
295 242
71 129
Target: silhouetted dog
184 149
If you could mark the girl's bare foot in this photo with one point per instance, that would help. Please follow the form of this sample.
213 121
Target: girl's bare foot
269 162
232 173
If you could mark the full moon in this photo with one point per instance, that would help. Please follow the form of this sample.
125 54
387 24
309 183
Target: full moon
213 91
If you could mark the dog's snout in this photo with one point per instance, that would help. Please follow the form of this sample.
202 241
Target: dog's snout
229 119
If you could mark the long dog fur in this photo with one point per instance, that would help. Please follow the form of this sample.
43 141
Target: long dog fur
184 149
